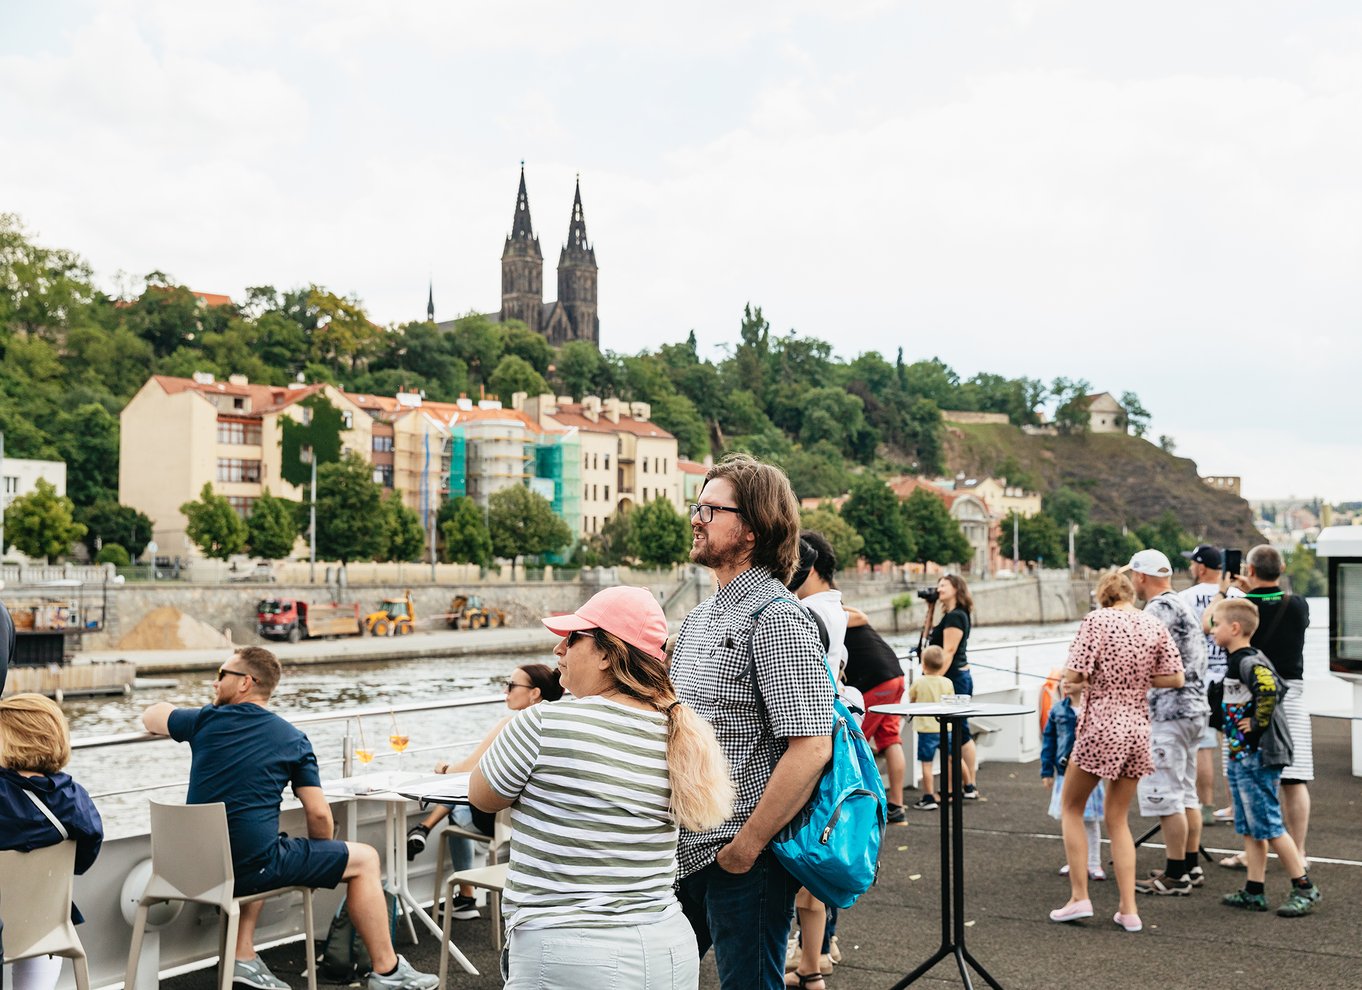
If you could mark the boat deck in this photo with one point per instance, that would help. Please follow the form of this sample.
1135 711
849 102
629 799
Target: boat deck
1012 853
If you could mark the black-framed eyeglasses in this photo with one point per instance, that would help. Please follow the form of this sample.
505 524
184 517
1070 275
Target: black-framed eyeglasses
223 672
512 685
705 512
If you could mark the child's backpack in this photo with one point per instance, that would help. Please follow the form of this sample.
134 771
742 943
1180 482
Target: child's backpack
832 846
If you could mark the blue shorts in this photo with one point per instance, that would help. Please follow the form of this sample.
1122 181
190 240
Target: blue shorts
963 682
927 745
1257 810
296 863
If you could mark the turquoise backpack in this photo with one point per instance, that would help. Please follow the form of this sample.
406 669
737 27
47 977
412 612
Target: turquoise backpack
832 846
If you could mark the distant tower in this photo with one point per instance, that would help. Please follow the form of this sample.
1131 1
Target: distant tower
522 267
430 303
577 277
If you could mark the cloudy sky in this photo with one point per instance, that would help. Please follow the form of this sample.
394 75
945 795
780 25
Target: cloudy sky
1158 197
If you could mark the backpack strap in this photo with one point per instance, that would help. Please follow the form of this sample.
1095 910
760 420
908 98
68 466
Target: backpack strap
47 813
752 656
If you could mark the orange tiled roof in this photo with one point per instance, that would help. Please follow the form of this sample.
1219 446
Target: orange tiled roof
212 298
691 467
264 398
570 414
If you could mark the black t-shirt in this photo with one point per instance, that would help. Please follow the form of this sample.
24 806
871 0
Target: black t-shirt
1282 620
956 618
870 660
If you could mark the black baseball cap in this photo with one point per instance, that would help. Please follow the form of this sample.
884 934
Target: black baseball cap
1206 555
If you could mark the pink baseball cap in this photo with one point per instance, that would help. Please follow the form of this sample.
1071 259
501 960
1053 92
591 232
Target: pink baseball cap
630 614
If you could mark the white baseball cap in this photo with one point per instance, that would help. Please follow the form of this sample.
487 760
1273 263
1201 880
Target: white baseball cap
1152 562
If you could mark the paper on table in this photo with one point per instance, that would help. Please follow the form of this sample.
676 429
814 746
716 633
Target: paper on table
371 783
451 785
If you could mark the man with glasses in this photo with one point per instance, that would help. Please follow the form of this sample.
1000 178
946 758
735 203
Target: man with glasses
771 710
243 755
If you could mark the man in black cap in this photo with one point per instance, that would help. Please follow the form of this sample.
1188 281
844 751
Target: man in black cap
1204 564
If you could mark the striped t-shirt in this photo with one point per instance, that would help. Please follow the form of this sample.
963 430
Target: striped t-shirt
593 841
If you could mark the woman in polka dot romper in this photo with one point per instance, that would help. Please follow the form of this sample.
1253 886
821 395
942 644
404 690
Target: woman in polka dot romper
1117 656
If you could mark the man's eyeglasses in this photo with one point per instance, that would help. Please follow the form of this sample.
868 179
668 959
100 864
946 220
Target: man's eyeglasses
705 512
223 672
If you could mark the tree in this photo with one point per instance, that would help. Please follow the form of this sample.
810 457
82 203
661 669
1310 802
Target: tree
678 416
42 523
113 553
514 374
660 535
1136 414
464 529
846 542
522 523
1302 570
1039 538
936 535
873 510
1100 545
320 430
406 537
214 526
524 343
1066 506
819 471
349 511
110 522
87 439
273 527
1071 405
1167 444
580 369
1166 533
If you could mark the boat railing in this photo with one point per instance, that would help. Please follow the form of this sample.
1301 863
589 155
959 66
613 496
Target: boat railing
351 717
1016 646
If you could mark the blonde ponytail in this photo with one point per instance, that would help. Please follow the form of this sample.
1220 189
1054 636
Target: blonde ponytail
702 788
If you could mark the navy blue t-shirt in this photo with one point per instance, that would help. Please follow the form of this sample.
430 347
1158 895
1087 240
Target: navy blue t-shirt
243 757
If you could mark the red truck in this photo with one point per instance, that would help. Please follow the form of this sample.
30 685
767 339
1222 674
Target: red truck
293 619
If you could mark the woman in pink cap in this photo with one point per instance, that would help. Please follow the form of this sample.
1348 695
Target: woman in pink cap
598 785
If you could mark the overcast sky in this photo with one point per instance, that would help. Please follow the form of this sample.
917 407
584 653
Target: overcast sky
1157 197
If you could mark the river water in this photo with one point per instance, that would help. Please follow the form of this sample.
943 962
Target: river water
110 772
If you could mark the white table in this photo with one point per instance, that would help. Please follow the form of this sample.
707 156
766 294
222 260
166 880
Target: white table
395 791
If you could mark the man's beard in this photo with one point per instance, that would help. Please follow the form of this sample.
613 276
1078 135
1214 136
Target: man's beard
709 554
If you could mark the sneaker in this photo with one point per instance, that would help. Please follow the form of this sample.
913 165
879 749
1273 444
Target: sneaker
1160 883
403 978
927 802
896 815
1130 922
1301 902
416 841
1197 876
1223 815
971 792
1243 899
1072 912
256 974
834 950
464 908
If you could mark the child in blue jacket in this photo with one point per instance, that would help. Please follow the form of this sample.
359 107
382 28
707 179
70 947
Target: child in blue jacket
1056 743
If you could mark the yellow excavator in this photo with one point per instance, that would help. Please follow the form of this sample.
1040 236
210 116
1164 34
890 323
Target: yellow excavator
396 617
469 613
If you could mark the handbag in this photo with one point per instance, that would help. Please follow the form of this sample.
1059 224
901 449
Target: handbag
832 846
344 956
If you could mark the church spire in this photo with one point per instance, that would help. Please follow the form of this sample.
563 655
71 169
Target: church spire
577 276
430 303
576 239
521 226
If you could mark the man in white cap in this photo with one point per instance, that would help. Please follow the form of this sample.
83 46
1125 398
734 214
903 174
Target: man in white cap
1178 717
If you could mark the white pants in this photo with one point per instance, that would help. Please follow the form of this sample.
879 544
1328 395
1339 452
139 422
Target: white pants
38 973
661 956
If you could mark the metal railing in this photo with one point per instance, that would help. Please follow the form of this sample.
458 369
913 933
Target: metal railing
1016 647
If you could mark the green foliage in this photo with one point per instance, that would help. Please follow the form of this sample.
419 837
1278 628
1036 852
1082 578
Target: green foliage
846 542
113 553
678 416
405 536
1136 414
1302 569
659 535
42 523
873 511
320 434
464 529
349 511
936 536
214 527
528 345
1166 533
87 440
1071 406
581 370
114 523
1038 537
1065 505
1167 444
514 374
611 546
818 471
1100 545
522 523
272 529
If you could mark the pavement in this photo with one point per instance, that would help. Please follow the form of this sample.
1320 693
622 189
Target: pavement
1012 855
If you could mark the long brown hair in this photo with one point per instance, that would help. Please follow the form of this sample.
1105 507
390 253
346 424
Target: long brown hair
962 595
702 789
769 509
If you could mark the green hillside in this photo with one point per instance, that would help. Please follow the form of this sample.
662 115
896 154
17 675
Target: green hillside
1131 480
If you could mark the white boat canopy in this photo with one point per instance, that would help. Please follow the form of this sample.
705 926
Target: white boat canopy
1339 541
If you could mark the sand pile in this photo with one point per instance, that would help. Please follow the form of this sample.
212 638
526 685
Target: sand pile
167 628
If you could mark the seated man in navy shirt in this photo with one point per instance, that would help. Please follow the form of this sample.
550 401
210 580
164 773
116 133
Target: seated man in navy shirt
243 755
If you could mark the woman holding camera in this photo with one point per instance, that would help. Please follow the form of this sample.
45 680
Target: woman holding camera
951 633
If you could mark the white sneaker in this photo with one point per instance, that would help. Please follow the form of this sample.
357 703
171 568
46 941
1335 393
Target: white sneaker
403 978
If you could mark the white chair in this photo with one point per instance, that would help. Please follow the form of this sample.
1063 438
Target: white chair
191 860
495 851
38 884
490 878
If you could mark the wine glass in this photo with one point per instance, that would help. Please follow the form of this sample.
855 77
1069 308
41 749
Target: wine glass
398 742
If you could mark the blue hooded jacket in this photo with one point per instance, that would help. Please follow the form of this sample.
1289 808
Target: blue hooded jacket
24 827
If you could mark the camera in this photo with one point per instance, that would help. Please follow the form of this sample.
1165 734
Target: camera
1234 561
928 595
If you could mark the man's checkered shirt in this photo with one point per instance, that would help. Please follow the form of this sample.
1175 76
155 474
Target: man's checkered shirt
711 672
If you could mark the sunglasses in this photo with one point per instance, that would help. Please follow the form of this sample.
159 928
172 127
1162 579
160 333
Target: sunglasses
512 685
223 672
572 637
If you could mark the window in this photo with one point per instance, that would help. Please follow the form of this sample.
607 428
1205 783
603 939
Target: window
11 484
238 403
593 491
383 445
238 470
607 462
383 475
644 462
241 505
236 432
348 420
586 461
586 491
664 465
607 493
